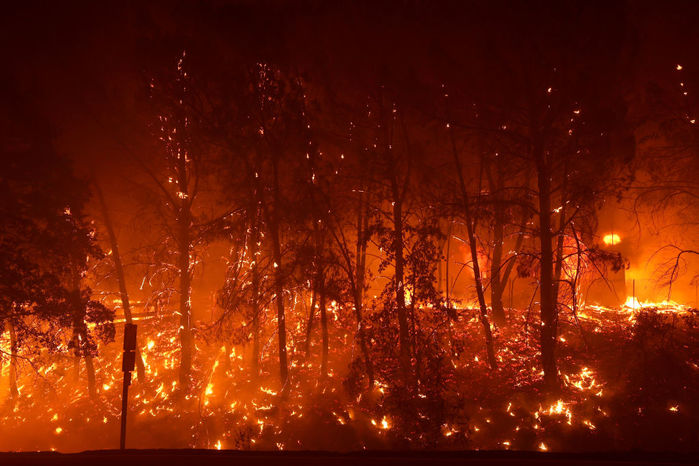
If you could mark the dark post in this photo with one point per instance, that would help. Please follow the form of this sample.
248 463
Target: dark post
127 366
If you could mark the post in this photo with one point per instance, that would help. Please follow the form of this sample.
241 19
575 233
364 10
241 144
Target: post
127 366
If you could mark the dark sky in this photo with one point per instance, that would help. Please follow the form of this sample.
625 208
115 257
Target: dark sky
83 64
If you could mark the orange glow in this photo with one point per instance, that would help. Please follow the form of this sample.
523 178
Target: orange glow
611 239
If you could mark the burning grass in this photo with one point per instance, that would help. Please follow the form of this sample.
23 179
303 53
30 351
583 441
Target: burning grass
628 381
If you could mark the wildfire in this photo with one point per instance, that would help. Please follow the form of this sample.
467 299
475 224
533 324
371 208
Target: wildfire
224 391
384 423
611 239
632 303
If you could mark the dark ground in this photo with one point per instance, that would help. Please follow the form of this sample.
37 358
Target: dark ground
209 457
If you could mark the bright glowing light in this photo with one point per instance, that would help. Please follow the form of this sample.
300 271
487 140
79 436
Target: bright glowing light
384 424
611 239
632 302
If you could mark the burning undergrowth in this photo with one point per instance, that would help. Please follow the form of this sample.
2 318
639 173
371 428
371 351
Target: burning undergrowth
629 381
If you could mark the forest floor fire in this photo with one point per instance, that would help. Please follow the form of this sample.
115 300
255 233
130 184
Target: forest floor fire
628 382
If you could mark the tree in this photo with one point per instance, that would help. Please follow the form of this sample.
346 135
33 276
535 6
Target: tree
45 242
177 175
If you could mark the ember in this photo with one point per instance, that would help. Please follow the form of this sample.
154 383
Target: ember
350 227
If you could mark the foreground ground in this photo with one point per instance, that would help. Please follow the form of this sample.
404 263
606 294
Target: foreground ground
207 457
630 381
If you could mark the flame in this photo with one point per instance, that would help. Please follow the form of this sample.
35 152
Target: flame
632 302
611 239
661 306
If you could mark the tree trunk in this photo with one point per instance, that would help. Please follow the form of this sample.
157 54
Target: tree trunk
273 229
360 271
255 366
279 298
324 327
404 339
496 284
311 316
121 277
473 246
548 306
80 336
91 383
504 278
255 329
362 339
479 292
446 265
185 289
414 342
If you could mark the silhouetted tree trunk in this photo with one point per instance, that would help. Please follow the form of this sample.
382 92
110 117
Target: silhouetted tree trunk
473 247
356 269
255 287
318 280
91 383
80 337
272 220
499 277
184 249
496 284
398 190
279 298
360 276
503 276
324 329
398 245
311 316
414 343
255 323
446 271
549 318
178 112
356 272
121 277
